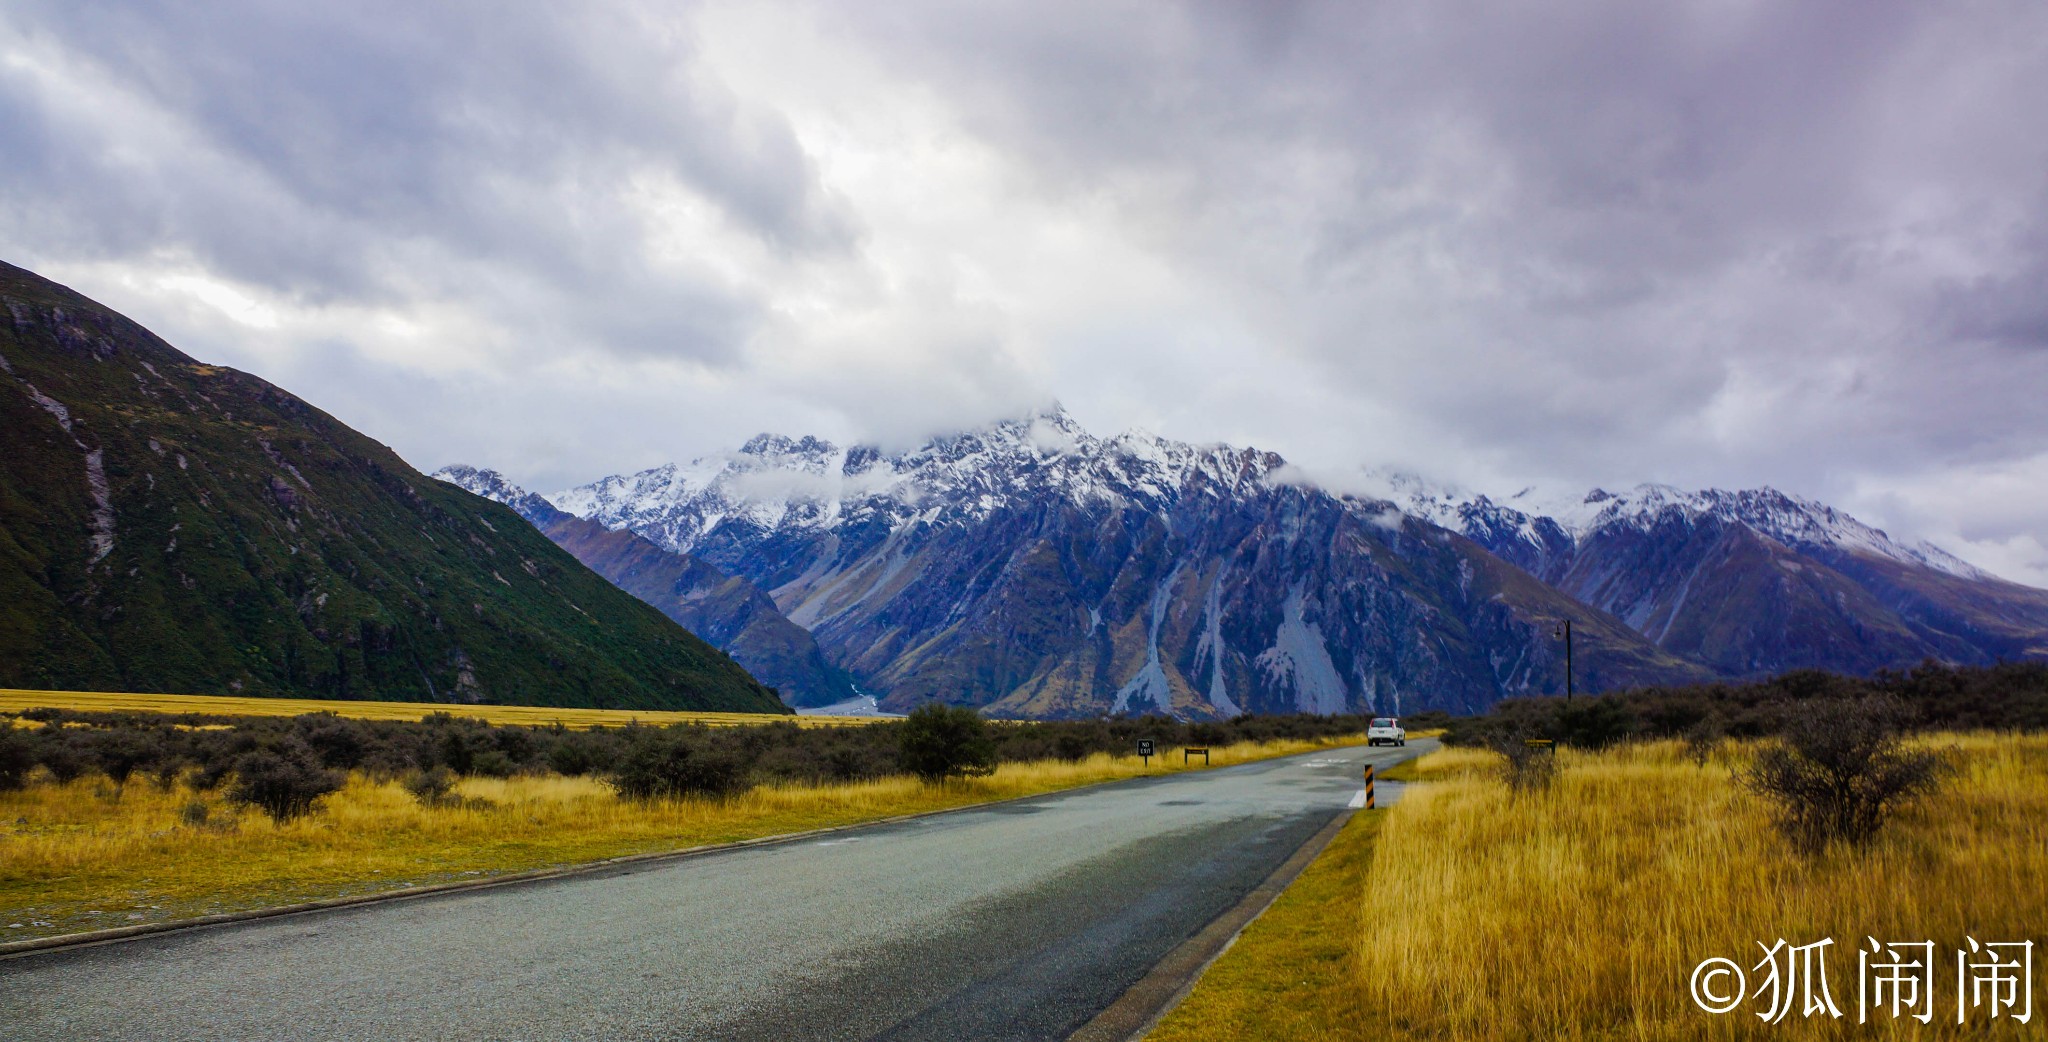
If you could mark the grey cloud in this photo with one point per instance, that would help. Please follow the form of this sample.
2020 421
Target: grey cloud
1568 231
1587 242
411 154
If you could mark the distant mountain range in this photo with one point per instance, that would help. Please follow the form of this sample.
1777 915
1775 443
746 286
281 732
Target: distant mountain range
1034 569
1752 582
172 526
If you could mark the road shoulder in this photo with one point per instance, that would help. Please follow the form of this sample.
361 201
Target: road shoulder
1291 973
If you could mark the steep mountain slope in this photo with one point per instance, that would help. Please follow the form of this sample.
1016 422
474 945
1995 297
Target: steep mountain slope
728 611
1040 571
172 526
1755 581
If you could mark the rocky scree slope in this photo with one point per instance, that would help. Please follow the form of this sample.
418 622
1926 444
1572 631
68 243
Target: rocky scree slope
167 525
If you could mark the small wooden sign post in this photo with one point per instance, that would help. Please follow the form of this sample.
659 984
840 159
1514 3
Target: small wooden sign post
1145 750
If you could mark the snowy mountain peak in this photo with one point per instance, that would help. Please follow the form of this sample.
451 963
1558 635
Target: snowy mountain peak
1795 521
777 445
774 481
493 486
483 481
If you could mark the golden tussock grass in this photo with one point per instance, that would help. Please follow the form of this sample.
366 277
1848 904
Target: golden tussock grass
14 700
78 856
1580 913
1466 913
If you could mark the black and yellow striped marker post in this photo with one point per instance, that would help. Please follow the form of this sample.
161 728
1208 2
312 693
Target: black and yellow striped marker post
1369 804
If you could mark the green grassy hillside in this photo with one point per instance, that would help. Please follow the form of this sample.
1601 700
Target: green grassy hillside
172 526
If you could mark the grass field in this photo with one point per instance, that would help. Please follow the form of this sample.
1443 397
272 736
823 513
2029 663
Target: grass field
15 701
1580 913
84 856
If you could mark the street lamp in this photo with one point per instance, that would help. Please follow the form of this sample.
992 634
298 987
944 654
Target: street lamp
1564 630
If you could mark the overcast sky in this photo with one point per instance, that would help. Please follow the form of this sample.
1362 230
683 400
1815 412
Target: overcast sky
1565 243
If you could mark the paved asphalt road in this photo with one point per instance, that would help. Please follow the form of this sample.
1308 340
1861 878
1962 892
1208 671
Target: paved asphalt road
1016 921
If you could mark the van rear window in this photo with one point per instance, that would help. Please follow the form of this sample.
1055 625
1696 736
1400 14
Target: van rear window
1383 721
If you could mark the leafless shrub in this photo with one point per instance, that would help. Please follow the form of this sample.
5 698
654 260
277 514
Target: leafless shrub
1527 764
1841 771
1702 740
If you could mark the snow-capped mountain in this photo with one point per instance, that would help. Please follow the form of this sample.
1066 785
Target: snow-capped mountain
1038 570
1748 581
774 482
730 612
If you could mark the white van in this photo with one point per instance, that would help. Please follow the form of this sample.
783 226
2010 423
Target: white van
1385 730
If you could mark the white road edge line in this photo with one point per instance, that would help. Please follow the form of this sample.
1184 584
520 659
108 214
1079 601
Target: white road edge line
1358 801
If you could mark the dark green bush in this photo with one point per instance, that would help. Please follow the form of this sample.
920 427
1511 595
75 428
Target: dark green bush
936 742
16 758
59 755
284 783
672 764
340 743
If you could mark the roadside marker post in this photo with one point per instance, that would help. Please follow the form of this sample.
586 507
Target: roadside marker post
1369 804
1145 750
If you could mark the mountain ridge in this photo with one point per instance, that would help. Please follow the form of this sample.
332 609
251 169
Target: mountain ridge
1846 595
167 525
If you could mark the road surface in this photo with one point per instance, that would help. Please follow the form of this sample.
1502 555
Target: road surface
1013 921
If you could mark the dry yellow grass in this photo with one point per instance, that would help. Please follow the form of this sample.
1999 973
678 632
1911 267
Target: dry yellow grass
14 700
74 857
1580 913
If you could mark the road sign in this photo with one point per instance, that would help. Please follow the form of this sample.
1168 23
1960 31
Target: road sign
1145 750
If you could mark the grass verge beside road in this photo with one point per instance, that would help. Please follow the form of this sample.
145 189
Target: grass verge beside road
85 855
1468 913
1292 973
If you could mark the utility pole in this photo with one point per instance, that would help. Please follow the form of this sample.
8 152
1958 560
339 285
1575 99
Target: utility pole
1564 629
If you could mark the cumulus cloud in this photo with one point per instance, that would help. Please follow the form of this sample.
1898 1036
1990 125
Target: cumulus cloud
1579 243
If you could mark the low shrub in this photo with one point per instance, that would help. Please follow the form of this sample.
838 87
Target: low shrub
1841 771
938 741
284 783
671 764
16 758
433 788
